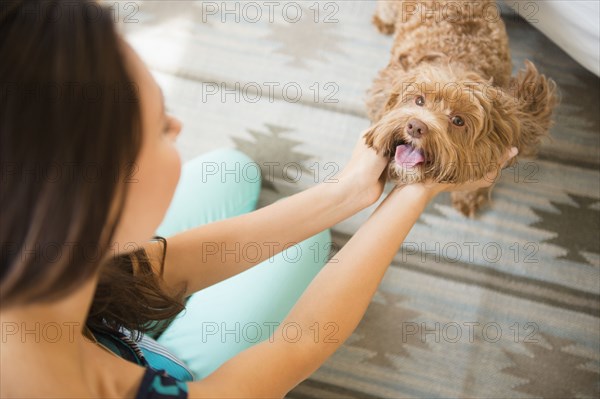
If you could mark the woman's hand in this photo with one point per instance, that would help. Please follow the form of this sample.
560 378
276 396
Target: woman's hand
486 181
365 174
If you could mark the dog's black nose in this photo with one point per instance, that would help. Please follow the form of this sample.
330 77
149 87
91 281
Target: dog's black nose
416 128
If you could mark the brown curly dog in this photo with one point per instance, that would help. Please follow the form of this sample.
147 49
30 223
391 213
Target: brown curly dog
446 107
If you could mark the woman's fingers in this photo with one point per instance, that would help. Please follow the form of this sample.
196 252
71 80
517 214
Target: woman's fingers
509 155
489 178
365 173
492 175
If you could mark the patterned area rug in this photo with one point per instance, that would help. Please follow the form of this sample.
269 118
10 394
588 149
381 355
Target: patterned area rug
506 305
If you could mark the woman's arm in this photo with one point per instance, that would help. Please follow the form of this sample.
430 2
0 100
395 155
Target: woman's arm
208 254
339 294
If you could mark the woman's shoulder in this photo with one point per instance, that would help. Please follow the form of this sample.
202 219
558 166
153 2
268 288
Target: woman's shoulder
157 384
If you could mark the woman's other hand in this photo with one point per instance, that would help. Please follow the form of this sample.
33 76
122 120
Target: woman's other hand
486 181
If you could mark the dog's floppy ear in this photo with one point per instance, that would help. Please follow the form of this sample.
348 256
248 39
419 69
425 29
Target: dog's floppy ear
502 122
383 97
386 88
520 115
536 97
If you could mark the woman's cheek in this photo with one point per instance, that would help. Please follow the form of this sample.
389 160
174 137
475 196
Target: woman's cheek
161 175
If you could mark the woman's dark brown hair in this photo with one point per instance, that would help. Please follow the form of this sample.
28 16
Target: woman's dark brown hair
70 132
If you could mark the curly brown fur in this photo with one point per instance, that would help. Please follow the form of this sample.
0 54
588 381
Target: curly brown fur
447 101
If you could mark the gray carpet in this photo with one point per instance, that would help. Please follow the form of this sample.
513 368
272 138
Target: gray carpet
507 305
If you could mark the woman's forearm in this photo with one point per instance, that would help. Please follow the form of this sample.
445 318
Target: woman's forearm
341 292
208 254
302 215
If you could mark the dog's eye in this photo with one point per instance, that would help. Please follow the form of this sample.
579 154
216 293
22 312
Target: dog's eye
458 121
420 101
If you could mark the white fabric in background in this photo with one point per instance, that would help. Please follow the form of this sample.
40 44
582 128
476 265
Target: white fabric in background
574 25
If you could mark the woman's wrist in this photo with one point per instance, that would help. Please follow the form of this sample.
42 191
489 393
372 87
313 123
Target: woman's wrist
350 193
434 188
426 191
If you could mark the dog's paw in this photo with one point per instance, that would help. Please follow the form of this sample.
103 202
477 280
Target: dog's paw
470 202
383 27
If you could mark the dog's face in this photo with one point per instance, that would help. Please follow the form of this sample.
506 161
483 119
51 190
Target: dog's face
444 125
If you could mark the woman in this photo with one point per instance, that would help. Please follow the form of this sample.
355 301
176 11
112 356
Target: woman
76 97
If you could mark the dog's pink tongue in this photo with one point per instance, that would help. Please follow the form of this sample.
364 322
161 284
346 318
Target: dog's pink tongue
408 156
